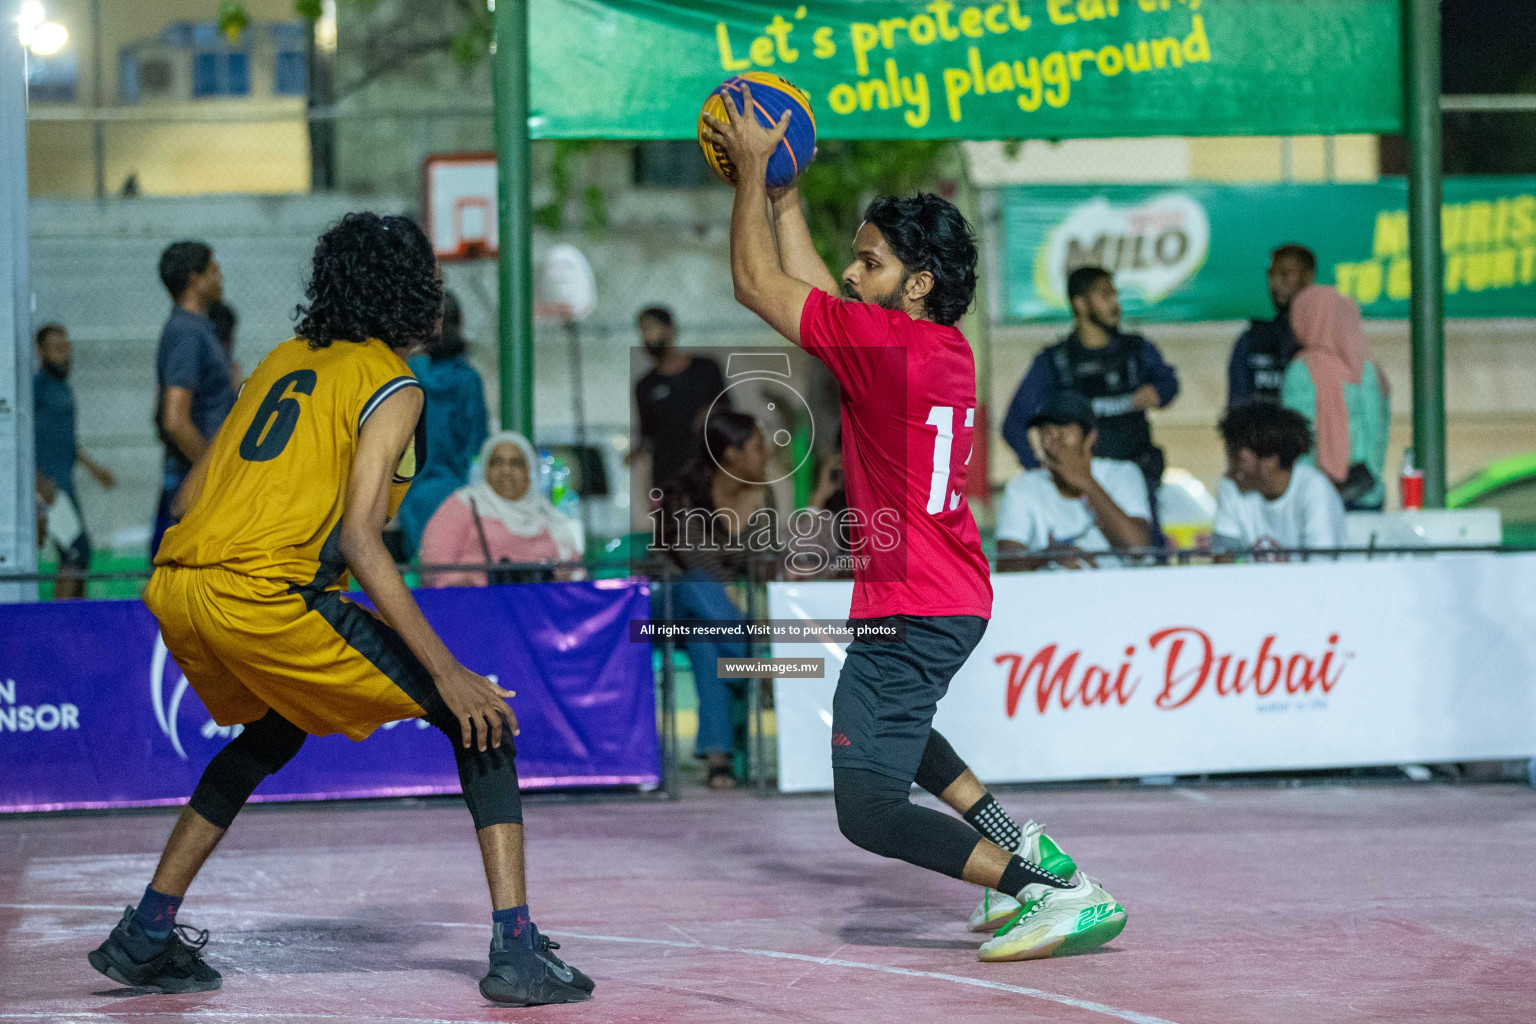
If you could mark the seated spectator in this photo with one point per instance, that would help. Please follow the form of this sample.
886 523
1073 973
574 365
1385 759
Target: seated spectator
1077 505
503 517
1338 389
456 424
819 541
1270 499
704 520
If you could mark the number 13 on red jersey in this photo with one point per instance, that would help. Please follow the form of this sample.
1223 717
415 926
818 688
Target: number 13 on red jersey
942 419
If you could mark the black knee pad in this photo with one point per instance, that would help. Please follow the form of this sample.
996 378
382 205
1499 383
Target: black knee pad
262 748
869 808
488 777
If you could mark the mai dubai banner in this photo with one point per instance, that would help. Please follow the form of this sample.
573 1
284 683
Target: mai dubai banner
95 713
1199 251
1116 673
947 69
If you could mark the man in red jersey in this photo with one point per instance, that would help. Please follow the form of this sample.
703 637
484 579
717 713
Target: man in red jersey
908 413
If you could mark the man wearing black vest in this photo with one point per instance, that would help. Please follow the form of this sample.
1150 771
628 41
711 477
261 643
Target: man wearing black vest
1123 375
1257 369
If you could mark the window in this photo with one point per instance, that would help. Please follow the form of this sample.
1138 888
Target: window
53 79
221 74
672 164
128 75
290 68
291 75
217 69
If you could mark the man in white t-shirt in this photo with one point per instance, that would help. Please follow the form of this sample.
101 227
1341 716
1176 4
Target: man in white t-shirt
1077 505
1268 499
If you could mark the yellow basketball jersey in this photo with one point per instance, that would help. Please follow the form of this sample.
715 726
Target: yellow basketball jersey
278 470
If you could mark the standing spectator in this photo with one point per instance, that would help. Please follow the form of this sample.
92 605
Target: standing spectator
705 521
1256 370
224 319
57 450
503 518
1270 499
456 424
673 398
1077 505
1122 375
195 389
1335 385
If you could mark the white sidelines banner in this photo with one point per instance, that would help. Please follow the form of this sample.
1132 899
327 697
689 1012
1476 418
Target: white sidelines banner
1129 672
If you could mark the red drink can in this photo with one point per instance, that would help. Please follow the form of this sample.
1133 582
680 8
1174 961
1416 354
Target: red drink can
1411 487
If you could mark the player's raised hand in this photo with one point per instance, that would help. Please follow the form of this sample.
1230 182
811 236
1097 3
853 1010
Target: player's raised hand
480 706
747 144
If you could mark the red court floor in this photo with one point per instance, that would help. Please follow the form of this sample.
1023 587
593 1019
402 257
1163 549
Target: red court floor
1282 906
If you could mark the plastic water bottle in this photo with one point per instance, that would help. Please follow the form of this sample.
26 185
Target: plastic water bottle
1410 484
559 480
546 472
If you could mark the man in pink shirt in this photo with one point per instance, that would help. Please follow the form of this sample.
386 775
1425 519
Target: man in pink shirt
908 383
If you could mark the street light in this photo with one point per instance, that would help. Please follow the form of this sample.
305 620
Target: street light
44 38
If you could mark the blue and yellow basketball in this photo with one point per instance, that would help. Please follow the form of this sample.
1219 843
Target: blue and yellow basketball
771 96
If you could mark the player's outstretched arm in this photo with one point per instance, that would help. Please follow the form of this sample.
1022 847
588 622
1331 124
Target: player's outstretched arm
797 253
477 703
761 282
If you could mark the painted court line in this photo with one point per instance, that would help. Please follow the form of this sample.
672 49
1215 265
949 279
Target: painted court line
222 1014
1133 1016
958 979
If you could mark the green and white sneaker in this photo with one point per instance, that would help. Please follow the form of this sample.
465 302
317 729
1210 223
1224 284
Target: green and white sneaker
1040 850
1060 922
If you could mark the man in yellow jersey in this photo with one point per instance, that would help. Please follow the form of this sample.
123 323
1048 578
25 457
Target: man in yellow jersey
292 494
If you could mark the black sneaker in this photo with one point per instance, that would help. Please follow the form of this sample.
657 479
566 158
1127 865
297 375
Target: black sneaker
532 977
130 957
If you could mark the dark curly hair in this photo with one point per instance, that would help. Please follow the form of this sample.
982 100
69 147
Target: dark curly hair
373 277
928 233
1267 429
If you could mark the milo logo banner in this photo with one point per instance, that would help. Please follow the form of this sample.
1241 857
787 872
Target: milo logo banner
1199 252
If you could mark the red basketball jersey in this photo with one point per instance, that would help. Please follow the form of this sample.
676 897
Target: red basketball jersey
909 414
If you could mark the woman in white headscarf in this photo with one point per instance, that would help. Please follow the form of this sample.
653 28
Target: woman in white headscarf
502 516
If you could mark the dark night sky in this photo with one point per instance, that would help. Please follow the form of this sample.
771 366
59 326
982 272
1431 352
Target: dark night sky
1488 45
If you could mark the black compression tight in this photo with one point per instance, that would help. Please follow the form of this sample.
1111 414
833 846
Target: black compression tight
874 812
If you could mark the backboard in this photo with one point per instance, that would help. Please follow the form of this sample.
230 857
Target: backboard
460 204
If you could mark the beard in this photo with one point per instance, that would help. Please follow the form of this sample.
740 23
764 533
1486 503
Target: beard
891 300
59 370
1106 325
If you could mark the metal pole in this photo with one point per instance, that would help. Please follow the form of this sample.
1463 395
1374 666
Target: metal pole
98 99
1421 24
18 523
509 89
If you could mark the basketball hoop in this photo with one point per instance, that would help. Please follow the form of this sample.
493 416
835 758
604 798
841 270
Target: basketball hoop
460 204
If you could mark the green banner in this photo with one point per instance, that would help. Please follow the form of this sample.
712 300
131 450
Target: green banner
1200 251
1010 69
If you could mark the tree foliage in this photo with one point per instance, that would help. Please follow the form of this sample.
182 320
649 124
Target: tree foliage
838 185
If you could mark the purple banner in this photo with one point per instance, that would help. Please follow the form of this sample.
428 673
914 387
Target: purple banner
94 713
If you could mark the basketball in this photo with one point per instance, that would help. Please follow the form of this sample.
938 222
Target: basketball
771 96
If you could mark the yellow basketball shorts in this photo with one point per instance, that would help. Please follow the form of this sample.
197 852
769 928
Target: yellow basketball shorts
247 645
